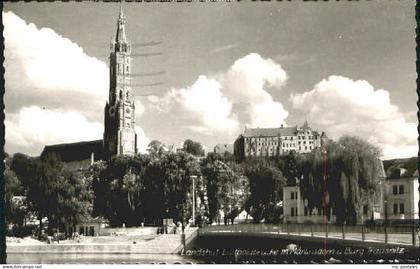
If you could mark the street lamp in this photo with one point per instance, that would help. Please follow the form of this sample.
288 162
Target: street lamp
193 199
386 189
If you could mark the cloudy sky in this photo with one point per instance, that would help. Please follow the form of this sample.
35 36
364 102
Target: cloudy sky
348 67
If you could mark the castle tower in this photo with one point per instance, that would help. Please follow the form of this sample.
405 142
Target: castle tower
120 137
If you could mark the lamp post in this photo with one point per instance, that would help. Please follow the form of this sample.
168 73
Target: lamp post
325 194
193 199
385 190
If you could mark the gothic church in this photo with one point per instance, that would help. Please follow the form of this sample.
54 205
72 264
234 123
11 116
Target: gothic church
119 135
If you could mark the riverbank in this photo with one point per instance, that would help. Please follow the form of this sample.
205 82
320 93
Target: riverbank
113 244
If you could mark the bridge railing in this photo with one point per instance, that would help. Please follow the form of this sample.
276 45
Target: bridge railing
358 232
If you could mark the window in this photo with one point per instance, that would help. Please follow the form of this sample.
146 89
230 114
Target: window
401 189
292 211
305 211
401 208
292 195
395 189
395 209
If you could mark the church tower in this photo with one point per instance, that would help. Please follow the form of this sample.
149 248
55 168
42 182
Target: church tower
120 137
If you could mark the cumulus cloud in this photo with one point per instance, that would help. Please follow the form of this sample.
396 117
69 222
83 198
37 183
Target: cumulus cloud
205 101
340 106
33 127
247 82
46 69
207 104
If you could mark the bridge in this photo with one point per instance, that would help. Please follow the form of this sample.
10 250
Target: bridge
356 235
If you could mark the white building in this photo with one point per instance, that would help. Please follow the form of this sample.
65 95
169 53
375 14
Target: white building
400 194
295 208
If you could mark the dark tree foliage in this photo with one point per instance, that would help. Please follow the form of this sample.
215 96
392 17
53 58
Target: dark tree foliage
347 172
195 148
14 211
144 188
38 177
52 191
178 169
226 189
119 186
266 183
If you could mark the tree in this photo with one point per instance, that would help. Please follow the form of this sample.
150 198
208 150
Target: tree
119 187
15 211
75 202
156 148
266 190
195 148
52 191
226 189
351 169
178 169
34 177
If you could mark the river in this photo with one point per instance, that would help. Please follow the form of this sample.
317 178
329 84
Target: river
97 258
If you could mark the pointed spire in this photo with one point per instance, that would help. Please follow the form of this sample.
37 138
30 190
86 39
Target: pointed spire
120 36
121 16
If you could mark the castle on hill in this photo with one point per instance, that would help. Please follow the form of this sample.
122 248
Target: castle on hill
256 142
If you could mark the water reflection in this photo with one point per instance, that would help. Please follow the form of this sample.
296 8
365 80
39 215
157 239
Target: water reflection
82 258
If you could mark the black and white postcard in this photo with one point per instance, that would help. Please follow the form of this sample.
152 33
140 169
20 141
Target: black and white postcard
210 132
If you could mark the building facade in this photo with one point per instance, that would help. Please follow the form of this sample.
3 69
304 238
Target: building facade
277 141
400 195
120 136
296 210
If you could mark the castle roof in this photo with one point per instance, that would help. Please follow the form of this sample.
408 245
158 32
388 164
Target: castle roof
269 132
78 151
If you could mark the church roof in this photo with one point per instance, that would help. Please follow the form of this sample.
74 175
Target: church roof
268 132
78 151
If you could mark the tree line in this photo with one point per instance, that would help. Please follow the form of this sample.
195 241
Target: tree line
146 188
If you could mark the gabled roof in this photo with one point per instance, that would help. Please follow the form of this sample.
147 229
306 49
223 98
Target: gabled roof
76 151
401 168
268 132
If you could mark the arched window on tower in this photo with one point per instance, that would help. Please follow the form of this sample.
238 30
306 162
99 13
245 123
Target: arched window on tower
127 95
121 94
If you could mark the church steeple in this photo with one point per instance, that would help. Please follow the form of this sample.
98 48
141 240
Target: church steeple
120 136
120 36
